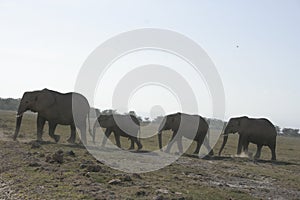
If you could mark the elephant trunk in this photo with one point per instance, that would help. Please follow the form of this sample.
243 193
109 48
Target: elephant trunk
223 144
160 140
21 110
18 125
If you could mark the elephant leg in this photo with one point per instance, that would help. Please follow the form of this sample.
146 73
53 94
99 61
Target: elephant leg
96 125
137 141
132 143
197 148
240 145
245 144
207 146
82 129
179 145
272 148
106 136
40 127
171 142
139 144
245 147
73 134
117 138
199 141
52 127
258 151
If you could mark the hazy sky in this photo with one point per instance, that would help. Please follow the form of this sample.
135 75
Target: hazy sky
43 44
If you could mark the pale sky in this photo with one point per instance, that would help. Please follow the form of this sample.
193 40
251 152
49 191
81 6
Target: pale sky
43 44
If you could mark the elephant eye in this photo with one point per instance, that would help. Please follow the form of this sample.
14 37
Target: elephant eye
26 101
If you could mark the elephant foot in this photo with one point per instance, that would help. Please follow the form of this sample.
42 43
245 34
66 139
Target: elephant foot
14 138
71 140
56 138
140 147
273 159
81 143
196 152
130 148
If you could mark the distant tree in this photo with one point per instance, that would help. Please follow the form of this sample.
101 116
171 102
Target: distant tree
146 121
9 104
94 112
158 119
132 113
277 129
109 112
215 123
97 111
139 118
290 132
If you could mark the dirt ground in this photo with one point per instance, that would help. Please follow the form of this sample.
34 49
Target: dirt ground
31 170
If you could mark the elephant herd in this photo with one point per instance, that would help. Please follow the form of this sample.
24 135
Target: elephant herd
73 109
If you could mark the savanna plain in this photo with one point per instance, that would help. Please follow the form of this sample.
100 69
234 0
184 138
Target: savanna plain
30 170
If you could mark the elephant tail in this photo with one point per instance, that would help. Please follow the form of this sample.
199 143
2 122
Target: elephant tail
139 134
90 130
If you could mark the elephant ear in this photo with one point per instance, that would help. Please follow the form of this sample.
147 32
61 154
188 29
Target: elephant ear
43 100
176 120
242 122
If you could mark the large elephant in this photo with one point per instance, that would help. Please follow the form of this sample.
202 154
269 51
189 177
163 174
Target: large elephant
258 131
193 127
56 108
121 125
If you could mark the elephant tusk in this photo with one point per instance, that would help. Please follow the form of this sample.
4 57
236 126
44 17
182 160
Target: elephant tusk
18 116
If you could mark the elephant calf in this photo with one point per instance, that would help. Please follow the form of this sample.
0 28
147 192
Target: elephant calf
193 127
121 125
257 131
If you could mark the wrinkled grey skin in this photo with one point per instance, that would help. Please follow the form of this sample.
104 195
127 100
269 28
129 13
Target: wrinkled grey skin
257 131
56 108
184 122
121 125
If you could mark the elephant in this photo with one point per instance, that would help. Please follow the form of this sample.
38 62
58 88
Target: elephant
183 125
257 131
56 108
121 125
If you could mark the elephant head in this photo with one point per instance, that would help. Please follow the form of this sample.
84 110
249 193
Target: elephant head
169 122
233 126
106 121
35 101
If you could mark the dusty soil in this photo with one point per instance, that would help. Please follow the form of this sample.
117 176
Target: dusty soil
31 170
28 172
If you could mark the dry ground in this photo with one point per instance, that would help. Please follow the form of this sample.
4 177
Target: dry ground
32 171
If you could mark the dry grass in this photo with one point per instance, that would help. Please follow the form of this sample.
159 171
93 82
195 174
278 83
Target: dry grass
188 178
